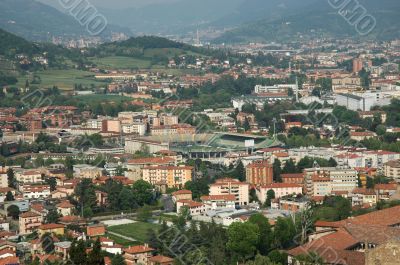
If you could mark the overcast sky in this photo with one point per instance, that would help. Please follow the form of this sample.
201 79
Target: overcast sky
115 4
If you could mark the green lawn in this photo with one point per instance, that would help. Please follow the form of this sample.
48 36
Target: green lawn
138 230
63 79
122 241
121 62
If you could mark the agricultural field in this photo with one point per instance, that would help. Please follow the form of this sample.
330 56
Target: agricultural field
63 79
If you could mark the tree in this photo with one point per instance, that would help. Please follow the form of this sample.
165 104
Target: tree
270 197
13 211
52 183
284 232
118 260
239 172
126 199
380 130
289 167
47 243
246 125
52 216
12 182
9 196
86 195
77 253
143 192
96 257
260 260
264 228
144 213
243 239
276 167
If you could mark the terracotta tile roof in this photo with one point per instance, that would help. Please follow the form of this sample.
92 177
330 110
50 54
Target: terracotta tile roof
29 214
281 186
389 186
178 192
161 259
190 203
138 249
333 256
10 261
152 160
65 204
292 175
50 226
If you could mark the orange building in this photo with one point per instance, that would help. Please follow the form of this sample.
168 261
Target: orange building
259 173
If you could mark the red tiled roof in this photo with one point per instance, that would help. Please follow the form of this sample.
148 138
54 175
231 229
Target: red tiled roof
152 160
161 259
178 192
138 249
29 214
50 226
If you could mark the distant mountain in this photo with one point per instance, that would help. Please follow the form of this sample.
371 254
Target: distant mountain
171 17
317 20
36 21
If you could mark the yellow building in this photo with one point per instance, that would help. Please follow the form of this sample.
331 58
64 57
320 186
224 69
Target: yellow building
173 176
57 229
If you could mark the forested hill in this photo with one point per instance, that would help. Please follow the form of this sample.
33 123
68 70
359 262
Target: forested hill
11 44
320 20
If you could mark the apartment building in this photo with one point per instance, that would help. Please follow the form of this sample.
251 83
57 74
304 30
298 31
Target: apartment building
29 176
134 128
35 191
135 166
280 190
29 222
182 128
259 173
323 181
231 186
173 176
392 169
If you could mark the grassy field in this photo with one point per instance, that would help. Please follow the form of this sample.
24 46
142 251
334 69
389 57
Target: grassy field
121 62
122 241
138 230
63 79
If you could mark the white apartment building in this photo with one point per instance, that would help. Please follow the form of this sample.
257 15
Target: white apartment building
134 128
35 192
392 169
279 88
83 171
280 190
227 186
323 181
29 176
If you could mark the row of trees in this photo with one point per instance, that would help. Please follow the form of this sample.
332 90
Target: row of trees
249 243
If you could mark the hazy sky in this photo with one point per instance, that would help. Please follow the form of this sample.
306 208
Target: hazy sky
115 4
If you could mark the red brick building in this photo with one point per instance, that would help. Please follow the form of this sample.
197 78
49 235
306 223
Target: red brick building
259 173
